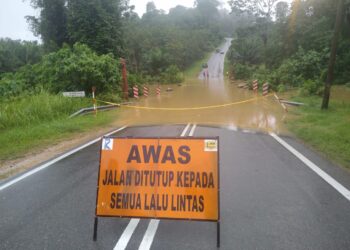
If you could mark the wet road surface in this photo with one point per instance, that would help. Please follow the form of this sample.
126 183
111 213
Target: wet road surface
271 198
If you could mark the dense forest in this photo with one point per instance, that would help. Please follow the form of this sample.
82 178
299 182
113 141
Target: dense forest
289 46
82 41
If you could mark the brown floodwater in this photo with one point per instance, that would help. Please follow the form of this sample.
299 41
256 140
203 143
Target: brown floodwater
258 113
191 103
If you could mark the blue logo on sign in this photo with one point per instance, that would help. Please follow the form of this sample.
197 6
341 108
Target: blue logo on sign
107 144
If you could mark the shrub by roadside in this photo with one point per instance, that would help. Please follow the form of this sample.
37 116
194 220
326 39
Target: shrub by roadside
305 70
69 69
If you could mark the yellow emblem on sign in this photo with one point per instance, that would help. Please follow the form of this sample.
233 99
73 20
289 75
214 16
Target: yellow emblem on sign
211 145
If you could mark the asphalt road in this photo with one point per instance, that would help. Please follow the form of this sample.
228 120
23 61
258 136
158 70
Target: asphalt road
271 198
216 62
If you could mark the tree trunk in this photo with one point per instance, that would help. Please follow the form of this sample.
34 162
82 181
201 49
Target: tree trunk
330 74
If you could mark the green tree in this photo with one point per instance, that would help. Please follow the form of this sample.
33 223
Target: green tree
259 8
68 69
151 7
51 25
207 9
97 23
262 10
16 53
282 9
330 76
178 38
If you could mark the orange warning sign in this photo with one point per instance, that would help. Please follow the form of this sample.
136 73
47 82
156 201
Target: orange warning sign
174 178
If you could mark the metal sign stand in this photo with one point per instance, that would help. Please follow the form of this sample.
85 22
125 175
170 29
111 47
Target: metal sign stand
95 228
218 234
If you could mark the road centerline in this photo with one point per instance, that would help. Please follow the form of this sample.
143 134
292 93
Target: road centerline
151 229
153 224
185 130
125 237
192 130
149 235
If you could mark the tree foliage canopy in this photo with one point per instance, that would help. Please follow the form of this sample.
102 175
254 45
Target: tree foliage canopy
51 25
97 23
83 40
69 69
178 38
298 45
15 54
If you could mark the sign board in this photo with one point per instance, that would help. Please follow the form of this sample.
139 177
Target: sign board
172 178
74 94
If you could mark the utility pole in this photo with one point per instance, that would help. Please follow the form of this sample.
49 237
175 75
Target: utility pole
125 79
330 74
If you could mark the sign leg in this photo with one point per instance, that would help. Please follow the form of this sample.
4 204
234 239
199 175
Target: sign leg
218 234
95 229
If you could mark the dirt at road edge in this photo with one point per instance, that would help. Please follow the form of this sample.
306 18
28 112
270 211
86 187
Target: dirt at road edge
10 168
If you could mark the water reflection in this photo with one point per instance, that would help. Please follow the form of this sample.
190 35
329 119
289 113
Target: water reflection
260 114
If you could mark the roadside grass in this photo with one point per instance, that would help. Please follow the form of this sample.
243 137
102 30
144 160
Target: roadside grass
196 67
35 109
35 122
20 140
325 130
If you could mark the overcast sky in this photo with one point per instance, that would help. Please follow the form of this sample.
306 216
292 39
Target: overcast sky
163 4
14 25
12 22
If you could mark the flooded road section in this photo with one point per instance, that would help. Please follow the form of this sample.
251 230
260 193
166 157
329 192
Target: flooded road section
193 103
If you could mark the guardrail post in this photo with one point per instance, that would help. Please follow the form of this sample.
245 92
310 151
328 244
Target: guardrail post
94 99
265 89
255 86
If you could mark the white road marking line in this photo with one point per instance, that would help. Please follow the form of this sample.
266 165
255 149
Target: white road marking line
125 237
153 224
149 235
151 229
330 180
31 172
185 130
192 130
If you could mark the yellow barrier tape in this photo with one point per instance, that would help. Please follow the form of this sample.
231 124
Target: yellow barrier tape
184 109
